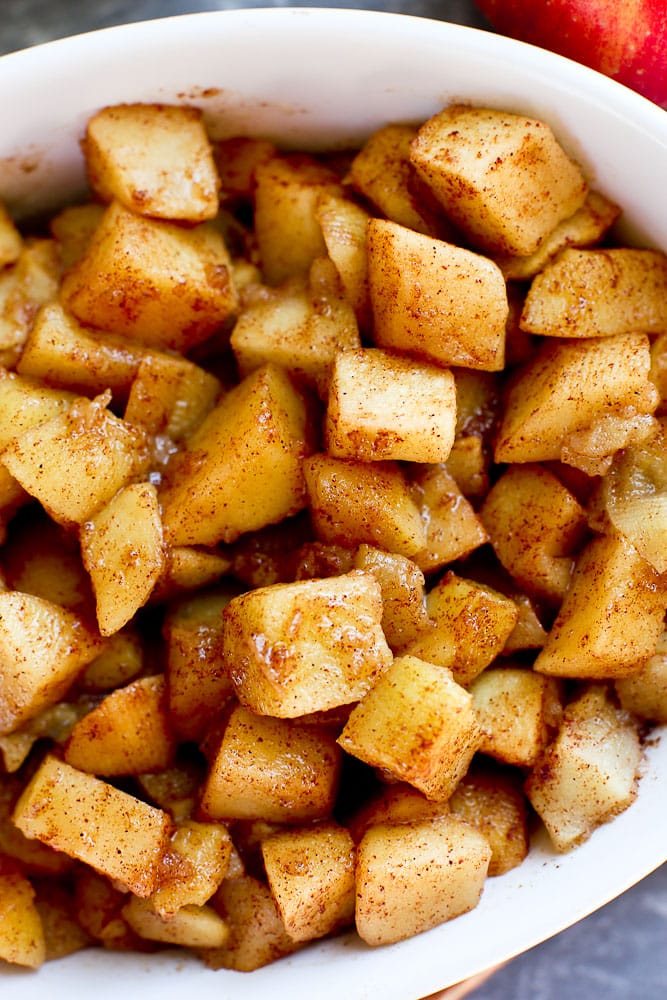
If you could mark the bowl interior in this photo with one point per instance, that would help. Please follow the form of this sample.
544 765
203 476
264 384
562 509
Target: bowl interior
312 78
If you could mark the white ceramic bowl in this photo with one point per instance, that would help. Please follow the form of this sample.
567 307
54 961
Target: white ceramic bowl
318 78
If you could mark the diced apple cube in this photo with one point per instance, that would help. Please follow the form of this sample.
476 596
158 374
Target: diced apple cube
243 467
383 173
76 462
469 626
414 876
21 930
435 300
300 326
598 293
170 395
272 769
10 239
193 867
296 648
155 158
162 284
644 693
344 228
257 935
190 927
535 526
121 546
354 502
310 871
289 238
43 647
61 352
567 387
589 773
382 407
198 683
403 598
585 228
416 723
492 799
113 832
518 711
612 616
503 178
453 528
127 733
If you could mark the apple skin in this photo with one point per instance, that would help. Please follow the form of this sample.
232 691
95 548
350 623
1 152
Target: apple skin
624 39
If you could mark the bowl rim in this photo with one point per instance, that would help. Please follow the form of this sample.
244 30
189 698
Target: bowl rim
87 56
183 22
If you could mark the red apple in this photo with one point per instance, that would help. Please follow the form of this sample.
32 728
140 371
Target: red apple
625 39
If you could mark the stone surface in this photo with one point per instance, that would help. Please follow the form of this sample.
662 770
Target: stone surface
617 953
28 22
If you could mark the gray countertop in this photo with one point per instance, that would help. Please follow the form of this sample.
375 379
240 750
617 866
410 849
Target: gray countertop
620 952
